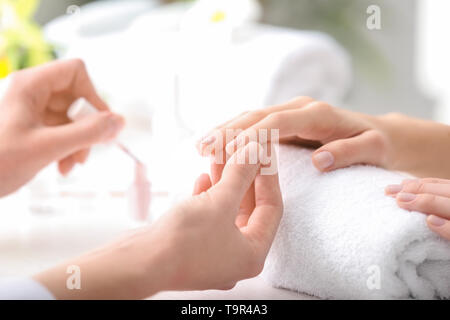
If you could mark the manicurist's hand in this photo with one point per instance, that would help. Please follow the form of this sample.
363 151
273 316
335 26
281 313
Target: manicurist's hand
34 128
344 138
195 246
430 196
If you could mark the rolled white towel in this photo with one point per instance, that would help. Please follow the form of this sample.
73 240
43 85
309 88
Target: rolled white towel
342 238
265 65
303 63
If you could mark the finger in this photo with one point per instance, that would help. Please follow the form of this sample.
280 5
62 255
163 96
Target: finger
246 208
69 76
425 203
248 203
238 175
263 222
426 180
217 165
231 129
66 165
202 184
317 121
419 186
56 143
249 118
440 226
366 148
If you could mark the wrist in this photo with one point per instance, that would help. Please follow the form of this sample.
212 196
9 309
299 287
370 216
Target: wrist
416 146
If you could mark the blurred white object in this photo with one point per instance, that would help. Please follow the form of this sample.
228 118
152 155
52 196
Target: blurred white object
433 52
268 66
94 19
194 83
220 16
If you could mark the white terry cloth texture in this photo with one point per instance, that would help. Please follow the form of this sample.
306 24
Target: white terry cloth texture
340 234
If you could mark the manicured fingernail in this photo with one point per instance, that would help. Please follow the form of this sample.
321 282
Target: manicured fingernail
208 140
436 221
324 160
406 197
393 188
230 148
116 123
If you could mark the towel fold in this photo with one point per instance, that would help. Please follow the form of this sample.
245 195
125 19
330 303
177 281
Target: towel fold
342 238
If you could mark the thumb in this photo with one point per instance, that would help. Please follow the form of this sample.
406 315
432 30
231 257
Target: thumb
60 141
239 173
366 148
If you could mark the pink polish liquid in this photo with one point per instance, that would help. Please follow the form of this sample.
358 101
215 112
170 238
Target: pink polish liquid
140 193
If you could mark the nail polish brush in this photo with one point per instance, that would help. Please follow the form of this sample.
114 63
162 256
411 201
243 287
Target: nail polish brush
140 191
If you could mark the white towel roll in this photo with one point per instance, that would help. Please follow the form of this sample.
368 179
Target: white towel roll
342 238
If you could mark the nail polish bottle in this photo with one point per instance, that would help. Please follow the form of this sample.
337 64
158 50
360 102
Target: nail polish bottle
140 194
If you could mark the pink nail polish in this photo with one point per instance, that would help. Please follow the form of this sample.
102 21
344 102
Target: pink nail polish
436 221
324 160
140 193
393 188
208 140
406 197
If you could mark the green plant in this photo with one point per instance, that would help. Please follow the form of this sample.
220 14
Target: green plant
22 44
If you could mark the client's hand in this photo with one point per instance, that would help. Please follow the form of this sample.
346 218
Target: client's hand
344 138
196 246
34 128
430 196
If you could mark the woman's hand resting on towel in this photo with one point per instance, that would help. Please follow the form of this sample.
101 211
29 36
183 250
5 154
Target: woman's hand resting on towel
430 196
344 138
34 128
196 246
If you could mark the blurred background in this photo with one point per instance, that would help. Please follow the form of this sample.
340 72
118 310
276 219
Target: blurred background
177 68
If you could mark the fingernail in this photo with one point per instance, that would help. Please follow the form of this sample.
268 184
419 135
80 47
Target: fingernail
393 188
116 123
406 197
324 160
231 147
436 221
208 140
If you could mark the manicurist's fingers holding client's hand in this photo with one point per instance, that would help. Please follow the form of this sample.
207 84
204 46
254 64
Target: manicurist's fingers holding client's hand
195 246
34 128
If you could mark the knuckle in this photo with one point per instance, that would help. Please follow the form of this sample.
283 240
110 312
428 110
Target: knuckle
378 139
302 100
427 200
421 187
321 107
78 64
380 143
275 118
256 114
394 116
